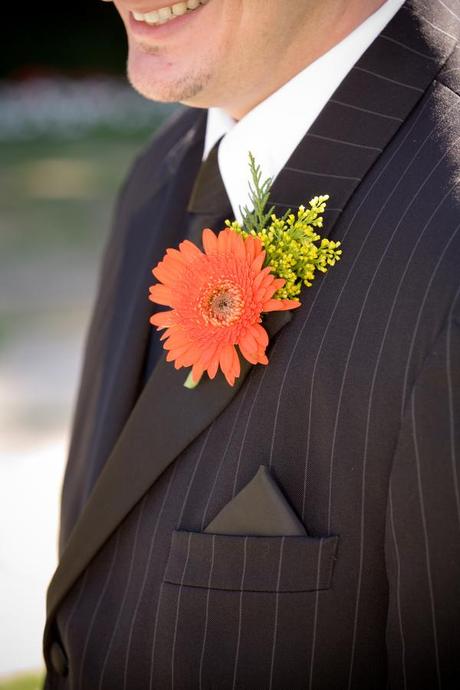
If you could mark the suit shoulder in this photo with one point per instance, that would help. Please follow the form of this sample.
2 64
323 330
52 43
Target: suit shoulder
174 128
145 171
450 73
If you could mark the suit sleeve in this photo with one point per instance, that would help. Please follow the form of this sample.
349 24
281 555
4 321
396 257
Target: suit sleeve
422 538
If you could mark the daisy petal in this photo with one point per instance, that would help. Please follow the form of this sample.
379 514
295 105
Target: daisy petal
160 294
281 305
209 240
226 361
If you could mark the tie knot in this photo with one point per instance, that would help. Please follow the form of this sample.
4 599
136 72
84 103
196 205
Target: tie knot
208 194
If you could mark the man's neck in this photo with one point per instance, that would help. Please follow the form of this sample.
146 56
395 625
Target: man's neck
332 22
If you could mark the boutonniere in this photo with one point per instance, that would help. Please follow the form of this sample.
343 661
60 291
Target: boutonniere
217 297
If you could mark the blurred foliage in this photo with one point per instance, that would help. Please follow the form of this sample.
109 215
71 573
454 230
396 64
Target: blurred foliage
76 38
57 194
30 681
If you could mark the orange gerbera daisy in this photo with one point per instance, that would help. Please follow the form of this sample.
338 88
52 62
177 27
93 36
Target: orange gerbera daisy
216 299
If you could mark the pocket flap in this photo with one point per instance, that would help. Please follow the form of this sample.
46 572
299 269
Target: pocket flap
259 564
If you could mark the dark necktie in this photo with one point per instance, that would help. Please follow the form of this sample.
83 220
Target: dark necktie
209 207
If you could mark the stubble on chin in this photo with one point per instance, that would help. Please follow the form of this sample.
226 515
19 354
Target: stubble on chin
157 86
147 48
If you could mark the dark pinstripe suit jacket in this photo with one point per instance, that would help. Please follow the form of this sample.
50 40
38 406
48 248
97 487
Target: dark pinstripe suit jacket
356 417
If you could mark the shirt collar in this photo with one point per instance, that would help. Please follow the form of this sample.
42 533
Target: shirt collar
275 127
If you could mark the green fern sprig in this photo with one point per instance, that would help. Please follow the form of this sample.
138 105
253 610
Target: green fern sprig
294 250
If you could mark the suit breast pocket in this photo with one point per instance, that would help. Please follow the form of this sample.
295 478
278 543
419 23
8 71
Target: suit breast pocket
251 563
252 544
238 599
239 611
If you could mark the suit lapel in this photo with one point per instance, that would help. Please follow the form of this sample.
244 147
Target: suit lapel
124 306
339 149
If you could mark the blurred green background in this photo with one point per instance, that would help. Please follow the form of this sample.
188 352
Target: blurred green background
70 126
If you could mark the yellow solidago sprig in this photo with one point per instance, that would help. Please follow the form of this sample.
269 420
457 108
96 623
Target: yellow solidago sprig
294 249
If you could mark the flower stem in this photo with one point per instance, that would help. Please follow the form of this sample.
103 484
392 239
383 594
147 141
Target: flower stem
190 382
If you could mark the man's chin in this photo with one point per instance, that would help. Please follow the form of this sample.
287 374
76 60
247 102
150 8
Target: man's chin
156 78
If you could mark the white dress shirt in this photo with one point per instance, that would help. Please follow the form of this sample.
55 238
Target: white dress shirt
274 128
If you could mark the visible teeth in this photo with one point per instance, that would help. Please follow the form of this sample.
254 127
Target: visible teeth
165 14
151 17
179 8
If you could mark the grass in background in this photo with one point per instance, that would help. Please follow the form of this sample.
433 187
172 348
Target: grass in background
30 681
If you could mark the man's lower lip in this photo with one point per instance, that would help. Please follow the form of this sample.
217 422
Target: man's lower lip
144 30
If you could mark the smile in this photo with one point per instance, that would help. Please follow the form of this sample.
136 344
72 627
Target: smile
166 14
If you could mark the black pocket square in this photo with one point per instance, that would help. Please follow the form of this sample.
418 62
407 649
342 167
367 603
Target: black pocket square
259 509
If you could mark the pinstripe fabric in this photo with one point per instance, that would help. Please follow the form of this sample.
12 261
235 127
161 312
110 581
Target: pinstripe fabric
357 417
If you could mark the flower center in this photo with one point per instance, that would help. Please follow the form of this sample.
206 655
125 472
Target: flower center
222 304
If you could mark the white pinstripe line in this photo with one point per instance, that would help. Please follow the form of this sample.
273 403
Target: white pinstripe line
248 421
203 447
275 622
398 587
449 10
146 572
366 442
438 28
224 455
240 615
203 521
65 631
411 50
318 292
392 81
425 535
422 304
366 110
434 213
339 403
322 174
450 397
125 594
400 180
96 610
377 364
315 618
152 656
144 581
347 279
155 630
345 143
173 651
207 610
